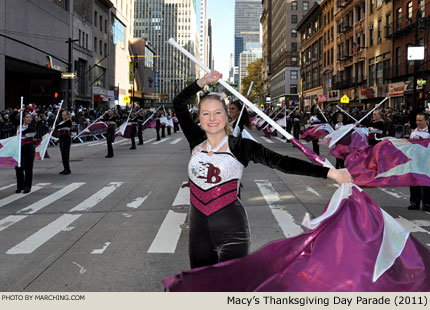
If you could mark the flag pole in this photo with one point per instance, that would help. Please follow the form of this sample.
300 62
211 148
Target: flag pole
284 108
322 114
289 115
346 113
150 116
314 157
374 108
20 132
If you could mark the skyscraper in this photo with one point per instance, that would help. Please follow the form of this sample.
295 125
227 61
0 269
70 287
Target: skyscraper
246 26
203 33
159 20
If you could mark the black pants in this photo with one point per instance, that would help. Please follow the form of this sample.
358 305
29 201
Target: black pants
418 194
316 146
175 127
296 132
140 133
65 143
163 131
340 163
110 137
169 130
24 174
132 136
221 236
157 129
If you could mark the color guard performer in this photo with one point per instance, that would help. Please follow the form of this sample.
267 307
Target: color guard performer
132 122
64 128
110 119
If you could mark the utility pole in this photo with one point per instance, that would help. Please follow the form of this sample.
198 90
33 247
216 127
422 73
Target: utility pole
69 69
416 62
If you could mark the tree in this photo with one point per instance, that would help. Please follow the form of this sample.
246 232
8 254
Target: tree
254 74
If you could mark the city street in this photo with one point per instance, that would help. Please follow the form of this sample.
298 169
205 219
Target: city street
120 224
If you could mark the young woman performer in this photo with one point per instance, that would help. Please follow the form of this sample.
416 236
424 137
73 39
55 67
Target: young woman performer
376 127
110 120
316 118
140 121
218 222
234 111
133 126
24 174
64 128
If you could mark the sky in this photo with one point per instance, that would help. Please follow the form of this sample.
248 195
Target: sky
222 14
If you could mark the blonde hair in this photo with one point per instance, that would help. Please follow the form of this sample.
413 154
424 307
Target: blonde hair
216 97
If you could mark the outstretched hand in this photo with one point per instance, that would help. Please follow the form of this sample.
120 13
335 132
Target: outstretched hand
340 175
209 78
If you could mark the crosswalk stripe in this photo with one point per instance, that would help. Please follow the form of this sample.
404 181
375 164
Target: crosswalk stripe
284 219
267 140
182 197
43 235
10 220
413 226
98 143
161 141
138 201
120 141
313 191
176 141
33 208
393 192
14 197
97 197
169 233
85 143
7 186
148 141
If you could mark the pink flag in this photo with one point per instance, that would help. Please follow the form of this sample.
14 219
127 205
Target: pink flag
93 127
346 252
314 132
42 147
391 163
9 151
350 143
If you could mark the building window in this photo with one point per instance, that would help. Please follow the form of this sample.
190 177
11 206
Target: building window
379 73
398 18
101 23
294 61
86 40
95 18
95 44
293 75
387 71
372 5
101 47
371 75
398 60
80 32
294 33
105 25
294 19
294 6
294 47
409 10
105 49
371 35
305 5
293 89
380 31
118 32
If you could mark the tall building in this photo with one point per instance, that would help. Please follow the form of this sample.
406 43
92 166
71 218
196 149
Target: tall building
203 34
284 68
211 62
250 54
266 26
159 20
246 26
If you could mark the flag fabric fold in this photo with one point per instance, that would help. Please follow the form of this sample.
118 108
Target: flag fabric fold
391 163
9 151
93 127
350 143
42 147
332 138
314 132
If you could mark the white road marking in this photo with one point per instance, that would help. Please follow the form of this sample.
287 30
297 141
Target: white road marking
82 270
395 193
10 220
313 191
161 141
138 201
168 234
280 139
85 143
267 140
148 141
96 198
7 186
97 143
176 141
43 235
182 197
284 219
33 208
100 251
120 141
12 198
412 226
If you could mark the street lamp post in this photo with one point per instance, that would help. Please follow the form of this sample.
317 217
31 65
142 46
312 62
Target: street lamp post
69 69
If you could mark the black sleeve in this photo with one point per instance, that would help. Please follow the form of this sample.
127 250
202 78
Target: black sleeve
247 150
192 131
67 123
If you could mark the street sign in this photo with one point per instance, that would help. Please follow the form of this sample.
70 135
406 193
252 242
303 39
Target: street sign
126 99
68 75
344 99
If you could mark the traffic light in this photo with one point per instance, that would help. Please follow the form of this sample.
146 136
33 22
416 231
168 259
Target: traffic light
58 95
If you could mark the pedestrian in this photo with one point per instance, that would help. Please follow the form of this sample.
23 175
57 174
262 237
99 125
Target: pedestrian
219 229
420 193
234 109
64 128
